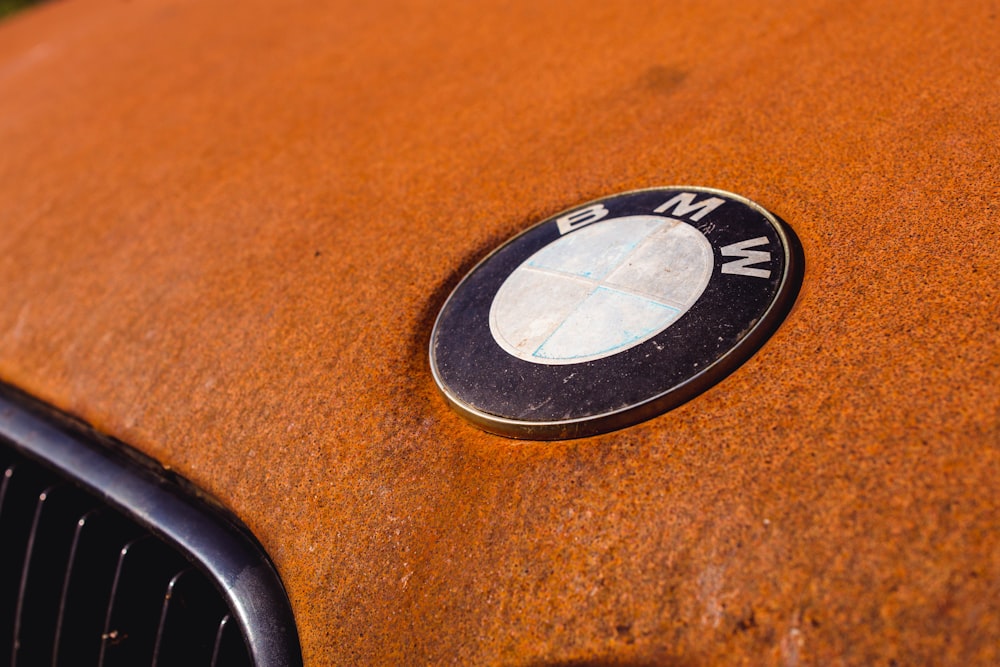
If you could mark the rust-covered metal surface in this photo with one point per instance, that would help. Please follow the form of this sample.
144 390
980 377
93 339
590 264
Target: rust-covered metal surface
225 230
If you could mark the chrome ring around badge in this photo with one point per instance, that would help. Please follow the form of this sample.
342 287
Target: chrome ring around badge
614 311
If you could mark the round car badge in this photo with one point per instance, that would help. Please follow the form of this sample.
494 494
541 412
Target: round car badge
614 311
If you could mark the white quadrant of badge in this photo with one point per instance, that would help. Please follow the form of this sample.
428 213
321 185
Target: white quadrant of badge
613 311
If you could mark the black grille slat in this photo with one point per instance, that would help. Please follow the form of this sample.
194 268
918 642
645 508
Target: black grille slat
107 558
188 623
23 482
145 568
229 647
57 512
98 540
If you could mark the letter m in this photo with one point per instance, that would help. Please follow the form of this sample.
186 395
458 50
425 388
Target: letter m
684 204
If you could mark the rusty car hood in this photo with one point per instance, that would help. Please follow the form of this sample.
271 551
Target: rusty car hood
226 230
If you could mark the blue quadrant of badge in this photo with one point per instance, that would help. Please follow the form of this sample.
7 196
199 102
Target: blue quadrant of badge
601 290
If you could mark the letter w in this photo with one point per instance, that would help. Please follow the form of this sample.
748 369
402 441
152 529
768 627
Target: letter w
684 203
742 267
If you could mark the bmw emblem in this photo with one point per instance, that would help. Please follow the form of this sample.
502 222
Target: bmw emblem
614 311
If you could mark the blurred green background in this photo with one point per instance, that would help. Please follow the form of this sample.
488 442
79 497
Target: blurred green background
8 7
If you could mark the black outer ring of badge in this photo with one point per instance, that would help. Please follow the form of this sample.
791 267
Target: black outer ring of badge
731 320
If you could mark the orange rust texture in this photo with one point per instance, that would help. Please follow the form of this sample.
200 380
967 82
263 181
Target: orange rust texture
226 227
